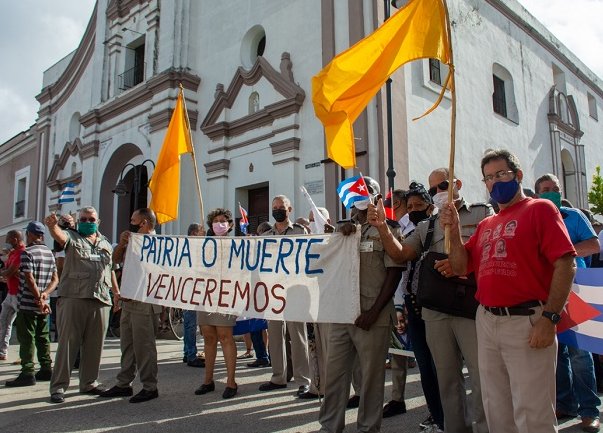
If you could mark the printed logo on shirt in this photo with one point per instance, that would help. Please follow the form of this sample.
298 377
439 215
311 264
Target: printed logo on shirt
500 249
485 237
510 228
486 251
497 231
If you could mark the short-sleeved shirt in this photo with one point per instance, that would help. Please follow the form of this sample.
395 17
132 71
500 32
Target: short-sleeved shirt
14 259
469 216
292 229
513 253
374 262
36 259
87 269
578 228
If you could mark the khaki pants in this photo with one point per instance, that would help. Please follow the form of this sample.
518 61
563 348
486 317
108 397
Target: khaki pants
518 382
451 341
370 347
299 352
399 372
82 324
138 348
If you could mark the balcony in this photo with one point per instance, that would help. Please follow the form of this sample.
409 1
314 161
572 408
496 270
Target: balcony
131 77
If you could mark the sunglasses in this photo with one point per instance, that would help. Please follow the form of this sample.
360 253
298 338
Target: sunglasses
87 220
443 186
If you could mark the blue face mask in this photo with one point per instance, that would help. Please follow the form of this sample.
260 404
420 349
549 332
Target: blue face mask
503 192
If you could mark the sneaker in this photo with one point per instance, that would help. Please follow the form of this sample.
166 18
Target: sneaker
428 422
433 429
57 397
22 380
44 375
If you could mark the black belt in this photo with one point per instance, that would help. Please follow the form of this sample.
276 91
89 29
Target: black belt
524 309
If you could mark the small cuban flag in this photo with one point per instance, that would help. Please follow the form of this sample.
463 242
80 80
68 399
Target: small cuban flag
581 322
353 190
68 194
244 222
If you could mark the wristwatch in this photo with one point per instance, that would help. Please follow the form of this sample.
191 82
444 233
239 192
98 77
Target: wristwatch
553 317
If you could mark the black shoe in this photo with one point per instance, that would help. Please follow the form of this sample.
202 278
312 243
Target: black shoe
117 391
307 396
303 389
230 392
185 359
258 363
270 386
205 388
394 408
144 395
353 402
57 397
22 380
98 390
199 363
44 375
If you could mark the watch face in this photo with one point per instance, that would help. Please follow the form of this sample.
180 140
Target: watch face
553 317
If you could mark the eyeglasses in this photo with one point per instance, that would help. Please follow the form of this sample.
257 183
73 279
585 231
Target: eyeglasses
499 175
87 220
441 186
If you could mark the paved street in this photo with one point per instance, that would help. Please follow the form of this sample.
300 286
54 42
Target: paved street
177 409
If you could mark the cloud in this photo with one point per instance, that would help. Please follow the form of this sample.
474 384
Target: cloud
576 24
34 35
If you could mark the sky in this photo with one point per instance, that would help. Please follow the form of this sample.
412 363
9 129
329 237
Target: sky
35 34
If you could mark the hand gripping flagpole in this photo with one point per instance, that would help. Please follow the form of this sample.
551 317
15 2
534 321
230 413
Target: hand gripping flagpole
188 126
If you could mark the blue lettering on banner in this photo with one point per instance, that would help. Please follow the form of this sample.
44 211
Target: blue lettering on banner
162 250
312 256
215 257
266 254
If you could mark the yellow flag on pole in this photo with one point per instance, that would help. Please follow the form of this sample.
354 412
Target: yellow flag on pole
346 85
165 182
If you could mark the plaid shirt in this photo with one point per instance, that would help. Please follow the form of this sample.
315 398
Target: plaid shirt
37 259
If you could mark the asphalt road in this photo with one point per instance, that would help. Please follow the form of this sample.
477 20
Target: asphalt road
177 409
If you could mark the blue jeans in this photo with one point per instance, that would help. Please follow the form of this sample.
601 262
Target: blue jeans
429 379
258 346
190 334
576 384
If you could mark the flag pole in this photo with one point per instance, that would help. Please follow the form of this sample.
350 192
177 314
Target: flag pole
452 128
190 135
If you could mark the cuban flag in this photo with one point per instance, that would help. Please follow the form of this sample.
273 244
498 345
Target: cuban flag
68 194
581 322
244 222
353 190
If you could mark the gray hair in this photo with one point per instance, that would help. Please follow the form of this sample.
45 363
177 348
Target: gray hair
284 199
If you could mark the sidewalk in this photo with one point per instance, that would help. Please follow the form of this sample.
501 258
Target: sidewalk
177 409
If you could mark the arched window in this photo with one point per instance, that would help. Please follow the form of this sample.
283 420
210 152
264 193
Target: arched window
503 95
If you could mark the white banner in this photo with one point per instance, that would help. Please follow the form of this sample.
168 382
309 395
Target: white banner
311 278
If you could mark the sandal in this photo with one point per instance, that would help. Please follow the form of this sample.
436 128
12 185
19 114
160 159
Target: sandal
246 355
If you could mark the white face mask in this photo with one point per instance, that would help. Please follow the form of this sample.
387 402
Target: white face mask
440 199
315 228
362 205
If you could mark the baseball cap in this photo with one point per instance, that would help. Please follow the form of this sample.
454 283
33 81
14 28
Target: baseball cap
35 227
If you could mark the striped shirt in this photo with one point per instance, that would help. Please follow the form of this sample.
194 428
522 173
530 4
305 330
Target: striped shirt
37 259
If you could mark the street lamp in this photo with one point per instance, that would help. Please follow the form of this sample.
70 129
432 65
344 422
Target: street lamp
391 172
121 189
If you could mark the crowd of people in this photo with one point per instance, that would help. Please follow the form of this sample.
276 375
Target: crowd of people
490 305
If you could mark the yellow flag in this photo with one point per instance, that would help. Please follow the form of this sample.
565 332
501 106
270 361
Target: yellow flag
165 182
346 85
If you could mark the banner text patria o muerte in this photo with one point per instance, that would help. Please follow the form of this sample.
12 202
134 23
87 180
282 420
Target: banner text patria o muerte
311 278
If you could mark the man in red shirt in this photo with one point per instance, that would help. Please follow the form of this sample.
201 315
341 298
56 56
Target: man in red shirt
10 305
523 260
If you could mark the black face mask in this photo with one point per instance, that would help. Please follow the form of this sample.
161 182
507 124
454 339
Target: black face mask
416 216
135 227
279 215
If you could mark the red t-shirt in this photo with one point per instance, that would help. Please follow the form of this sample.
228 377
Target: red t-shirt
513 252
14 259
